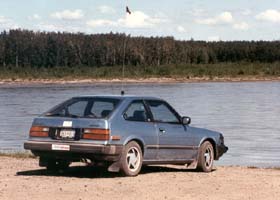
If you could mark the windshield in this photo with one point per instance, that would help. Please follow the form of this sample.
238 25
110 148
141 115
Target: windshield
85 108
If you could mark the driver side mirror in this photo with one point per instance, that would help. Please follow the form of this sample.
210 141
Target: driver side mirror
186 120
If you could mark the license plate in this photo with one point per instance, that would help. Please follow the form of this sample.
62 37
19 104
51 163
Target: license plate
67 134
60 147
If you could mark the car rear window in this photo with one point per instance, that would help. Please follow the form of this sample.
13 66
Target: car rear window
85 108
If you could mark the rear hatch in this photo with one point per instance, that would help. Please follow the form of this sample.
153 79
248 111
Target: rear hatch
76 119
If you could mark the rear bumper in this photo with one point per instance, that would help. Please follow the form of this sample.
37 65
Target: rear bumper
100 152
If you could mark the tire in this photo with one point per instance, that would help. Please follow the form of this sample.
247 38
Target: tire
55 165
205 157
131 159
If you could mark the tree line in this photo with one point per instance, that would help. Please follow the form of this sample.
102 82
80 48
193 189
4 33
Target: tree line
20 48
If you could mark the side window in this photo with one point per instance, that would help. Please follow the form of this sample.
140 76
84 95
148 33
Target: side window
78 108
161 112
136 112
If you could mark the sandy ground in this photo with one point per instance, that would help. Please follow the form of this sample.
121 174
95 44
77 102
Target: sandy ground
23 179
138 81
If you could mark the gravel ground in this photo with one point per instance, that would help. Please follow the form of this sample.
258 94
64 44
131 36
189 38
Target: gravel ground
22 179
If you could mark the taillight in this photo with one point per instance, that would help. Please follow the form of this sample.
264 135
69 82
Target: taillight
39 131
96 134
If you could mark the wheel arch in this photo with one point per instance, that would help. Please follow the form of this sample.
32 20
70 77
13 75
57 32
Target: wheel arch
138 141
213 143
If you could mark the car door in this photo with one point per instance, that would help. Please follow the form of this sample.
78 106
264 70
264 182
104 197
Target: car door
175 142
139 125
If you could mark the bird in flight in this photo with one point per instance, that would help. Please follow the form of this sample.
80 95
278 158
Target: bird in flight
127 10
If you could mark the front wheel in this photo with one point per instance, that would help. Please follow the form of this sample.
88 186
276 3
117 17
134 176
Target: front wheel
206 157
131 159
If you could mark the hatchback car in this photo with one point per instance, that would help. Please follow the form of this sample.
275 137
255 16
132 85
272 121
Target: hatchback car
122 132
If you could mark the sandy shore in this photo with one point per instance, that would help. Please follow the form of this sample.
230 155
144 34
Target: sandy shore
138 80
22 179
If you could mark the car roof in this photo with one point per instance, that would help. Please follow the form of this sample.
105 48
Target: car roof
131 97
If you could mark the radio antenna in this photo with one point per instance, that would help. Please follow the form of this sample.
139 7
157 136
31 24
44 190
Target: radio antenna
123 64
128 12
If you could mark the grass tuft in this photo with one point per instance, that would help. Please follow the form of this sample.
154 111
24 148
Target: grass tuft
252 167
16 154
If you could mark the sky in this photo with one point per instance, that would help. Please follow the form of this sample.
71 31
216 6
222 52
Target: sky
210 20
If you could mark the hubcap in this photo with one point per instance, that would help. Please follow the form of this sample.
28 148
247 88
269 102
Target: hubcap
208 156
133 159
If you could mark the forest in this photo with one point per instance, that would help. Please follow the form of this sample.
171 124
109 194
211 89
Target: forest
29 53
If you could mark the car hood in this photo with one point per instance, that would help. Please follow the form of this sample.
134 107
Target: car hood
205 132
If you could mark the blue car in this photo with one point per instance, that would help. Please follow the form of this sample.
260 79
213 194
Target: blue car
123 133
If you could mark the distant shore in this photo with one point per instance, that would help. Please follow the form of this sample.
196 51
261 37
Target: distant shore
68 80
185 73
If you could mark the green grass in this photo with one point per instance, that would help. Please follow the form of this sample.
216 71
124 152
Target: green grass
16 154
186 71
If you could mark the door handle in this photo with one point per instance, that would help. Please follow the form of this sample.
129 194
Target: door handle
162 130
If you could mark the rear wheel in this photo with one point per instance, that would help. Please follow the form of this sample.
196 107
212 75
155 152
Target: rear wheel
131 159
206 157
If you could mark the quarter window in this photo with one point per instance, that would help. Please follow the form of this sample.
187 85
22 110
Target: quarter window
102 109
136 112
77 109
161 112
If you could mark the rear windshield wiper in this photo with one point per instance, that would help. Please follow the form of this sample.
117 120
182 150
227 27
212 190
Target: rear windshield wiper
72 116
53 115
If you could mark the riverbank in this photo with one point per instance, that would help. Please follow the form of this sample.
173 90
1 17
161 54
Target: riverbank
21 178
143 74
136 80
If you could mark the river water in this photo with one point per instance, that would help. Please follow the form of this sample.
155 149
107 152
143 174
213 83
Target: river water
247 113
